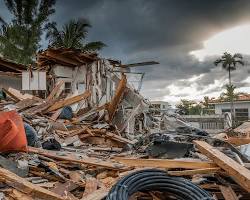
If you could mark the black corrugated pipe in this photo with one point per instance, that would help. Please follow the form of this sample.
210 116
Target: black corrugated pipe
156 180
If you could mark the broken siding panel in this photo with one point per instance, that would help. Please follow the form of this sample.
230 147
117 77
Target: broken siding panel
11 81
35 80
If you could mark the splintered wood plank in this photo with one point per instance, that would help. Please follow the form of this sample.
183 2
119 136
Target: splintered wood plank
16 94
69 101
228 193
40 108
63 189
112 106
164 163
72 157
238 141
57 90
90 187
23 104
97 195
194 171
26 187
239 173
19 195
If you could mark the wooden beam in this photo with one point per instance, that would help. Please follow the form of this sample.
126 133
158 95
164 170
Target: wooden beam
164 163
194 171
39 108
239 173
63 58
16 94
56 90
228 193
13 66
238 141
26 187
112 106
69 101
72 157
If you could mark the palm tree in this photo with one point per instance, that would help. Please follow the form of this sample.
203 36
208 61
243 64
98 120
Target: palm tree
229 62
19 40
230 94
205 103
72 35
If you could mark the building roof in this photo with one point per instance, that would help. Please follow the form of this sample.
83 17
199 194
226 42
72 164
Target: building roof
64 56
159 102
11 66
241 98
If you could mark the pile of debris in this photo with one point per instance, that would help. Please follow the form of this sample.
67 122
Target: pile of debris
105 143
83 156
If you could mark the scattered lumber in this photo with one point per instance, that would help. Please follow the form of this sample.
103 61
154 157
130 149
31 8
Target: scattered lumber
194 171
228 193
26 187
112 106
71 157
69 101
238 141
57 90
164 163
239 173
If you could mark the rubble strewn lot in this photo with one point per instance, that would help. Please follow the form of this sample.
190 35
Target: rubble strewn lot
106 143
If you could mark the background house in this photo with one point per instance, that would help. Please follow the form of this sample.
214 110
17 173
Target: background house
159 106
241 107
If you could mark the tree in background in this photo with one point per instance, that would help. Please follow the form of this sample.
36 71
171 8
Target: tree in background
187 107
230 94
229 63
19 40
72 35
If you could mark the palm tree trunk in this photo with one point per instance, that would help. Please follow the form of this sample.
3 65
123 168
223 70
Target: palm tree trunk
231 101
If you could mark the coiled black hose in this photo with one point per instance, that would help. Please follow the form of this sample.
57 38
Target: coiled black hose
156 180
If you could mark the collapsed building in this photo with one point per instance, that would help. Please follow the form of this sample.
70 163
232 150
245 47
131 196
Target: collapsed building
79 130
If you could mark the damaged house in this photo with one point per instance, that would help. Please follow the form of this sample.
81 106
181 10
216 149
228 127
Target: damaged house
80 73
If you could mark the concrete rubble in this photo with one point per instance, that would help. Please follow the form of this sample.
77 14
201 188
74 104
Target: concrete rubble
91 143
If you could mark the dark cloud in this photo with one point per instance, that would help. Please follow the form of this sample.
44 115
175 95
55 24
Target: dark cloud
161 30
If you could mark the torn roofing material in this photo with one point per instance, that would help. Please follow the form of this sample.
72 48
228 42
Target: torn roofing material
11 66
65 57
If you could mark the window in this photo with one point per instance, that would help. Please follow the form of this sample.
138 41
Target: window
163 106
225 110
241 114
67 87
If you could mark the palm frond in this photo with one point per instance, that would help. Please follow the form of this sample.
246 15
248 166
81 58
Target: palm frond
238 55
93 46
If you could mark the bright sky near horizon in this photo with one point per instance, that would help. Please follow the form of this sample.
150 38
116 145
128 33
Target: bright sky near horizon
233 40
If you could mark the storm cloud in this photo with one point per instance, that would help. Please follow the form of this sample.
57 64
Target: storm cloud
164 31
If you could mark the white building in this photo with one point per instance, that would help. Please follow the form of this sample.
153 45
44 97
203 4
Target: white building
160 106
241 107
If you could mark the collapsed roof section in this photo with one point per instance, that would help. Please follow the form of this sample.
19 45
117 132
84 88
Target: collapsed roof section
65 57
10 66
